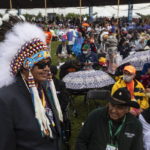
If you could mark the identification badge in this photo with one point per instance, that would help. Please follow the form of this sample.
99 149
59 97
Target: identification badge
111 147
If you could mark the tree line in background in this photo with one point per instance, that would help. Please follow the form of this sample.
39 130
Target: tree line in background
55 16
52 17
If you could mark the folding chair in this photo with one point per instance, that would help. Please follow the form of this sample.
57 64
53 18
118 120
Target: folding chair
97 94
73 95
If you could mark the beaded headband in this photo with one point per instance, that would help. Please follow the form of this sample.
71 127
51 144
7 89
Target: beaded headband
31 61
27 50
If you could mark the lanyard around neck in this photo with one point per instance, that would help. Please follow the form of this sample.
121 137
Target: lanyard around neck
118 129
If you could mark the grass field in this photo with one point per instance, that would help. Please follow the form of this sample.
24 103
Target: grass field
82 109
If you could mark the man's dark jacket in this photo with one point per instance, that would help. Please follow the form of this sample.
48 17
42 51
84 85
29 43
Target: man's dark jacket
95 133
62 94
19 129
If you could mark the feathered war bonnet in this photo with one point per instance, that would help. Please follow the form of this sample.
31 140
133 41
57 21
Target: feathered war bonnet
19 41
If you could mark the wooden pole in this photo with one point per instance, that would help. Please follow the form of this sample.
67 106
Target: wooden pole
10 3
118 20
80 11
118 11
45 2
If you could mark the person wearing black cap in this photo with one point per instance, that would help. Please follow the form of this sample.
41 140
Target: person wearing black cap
112 127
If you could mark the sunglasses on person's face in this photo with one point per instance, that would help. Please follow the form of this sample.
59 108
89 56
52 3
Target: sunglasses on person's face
42 65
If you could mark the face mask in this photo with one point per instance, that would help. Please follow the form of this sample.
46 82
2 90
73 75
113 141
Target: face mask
85 52
128 78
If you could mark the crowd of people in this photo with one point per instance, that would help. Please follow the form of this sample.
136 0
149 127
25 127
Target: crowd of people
33 100
106 39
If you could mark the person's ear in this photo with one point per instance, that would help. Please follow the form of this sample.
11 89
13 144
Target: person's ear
25 72
127 109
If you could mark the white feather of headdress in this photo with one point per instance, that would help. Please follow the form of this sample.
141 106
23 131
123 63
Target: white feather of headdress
17 37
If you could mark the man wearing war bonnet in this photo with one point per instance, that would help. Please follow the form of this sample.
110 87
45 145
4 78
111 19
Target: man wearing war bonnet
30 113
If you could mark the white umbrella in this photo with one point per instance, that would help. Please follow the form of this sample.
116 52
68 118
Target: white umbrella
138 59
87 79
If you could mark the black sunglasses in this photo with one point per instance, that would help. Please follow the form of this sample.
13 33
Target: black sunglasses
42 65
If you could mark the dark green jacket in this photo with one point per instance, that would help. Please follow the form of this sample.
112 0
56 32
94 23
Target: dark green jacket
94 135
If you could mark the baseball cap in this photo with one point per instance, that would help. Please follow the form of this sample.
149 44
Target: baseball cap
122 97
130 69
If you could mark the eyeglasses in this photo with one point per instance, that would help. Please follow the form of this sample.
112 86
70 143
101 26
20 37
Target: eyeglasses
42 65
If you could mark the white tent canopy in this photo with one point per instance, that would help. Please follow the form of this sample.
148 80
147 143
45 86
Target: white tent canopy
101 11
110 11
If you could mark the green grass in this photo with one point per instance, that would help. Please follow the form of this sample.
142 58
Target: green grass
82 108
53 52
